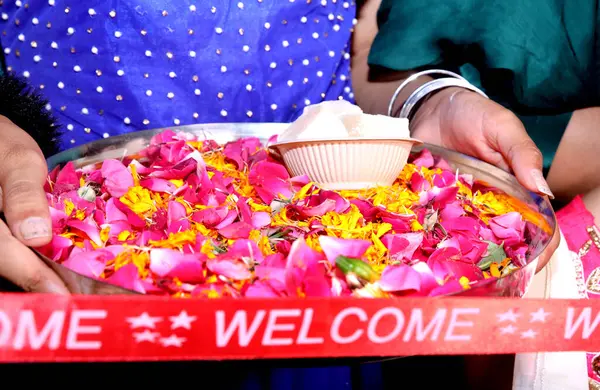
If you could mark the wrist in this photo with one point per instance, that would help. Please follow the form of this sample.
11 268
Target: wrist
429 105
451 79
410 88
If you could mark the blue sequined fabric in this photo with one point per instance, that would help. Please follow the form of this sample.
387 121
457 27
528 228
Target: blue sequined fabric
112 67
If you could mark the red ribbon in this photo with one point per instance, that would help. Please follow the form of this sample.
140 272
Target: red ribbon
135 328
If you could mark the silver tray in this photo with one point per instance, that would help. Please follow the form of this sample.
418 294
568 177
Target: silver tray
512 285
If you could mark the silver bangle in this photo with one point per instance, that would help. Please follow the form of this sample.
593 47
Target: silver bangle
415 76
432 86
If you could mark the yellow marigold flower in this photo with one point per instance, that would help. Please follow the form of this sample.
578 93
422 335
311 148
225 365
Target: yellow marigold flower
313 242
265 246
346 225
213 294
212 279
123 236
407 172
428 173
254 236
176 240
140 200
200 228
217 161
259 207
464 282
464 190
69 207
415 226
383 228
140 259
378 267
195 144
208 249
104 233
494 271
70 236
134 174
303 193
378 245
177 182
352 194
282 219
376 253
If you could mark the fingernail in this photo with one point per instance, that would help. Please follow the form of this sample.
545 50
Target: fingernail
35 227
541 183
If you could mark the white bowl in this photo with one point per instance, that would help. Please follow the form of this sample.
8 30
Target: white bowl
347 164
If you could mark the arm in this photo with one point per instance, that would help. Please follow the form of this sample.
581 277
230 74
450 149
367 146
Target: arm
375 87
23 172
454 118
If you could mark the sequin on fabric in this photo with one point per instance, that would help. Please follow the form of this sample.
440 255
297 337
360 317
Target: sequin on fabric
109 67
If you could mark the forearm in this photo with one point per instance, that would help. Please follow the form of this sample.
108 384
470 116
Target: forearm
374 92
24 107
373 88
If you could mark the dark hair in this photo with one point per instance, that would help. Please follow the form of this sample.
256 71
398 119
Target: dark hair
26 108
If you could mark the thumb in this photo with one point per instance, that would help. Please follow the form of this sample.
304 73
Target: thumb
22 175
508 136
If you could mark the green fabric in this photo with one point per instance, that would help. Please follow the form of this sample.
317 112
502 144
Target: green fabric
536 57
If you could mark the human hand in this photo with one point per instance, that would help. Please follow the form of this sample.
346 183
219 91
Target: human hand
467 122
23 172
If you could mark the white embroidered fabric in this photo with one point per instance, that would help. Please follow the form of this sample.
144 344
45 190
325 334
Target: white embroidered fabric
556 370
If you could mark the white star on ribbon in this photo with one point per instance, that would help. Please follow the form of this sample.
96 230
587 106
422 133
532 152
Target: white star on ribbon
510 329
529 334
146 335
172 341
183 320
143 321
510 316
539 316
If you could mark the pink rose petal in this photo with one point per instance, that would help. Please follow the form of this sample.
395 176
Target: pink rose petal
418 183
396 278
444 179
334 247
236 230
158 185
113 213
271 181
261 289
128 278
67 179
89 228
423 159
231 269
90 264
57 249
508 228
402 246
117 178
172 264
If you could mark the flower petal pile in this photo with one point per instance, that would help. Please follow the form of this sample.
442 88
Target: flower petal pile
189 217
